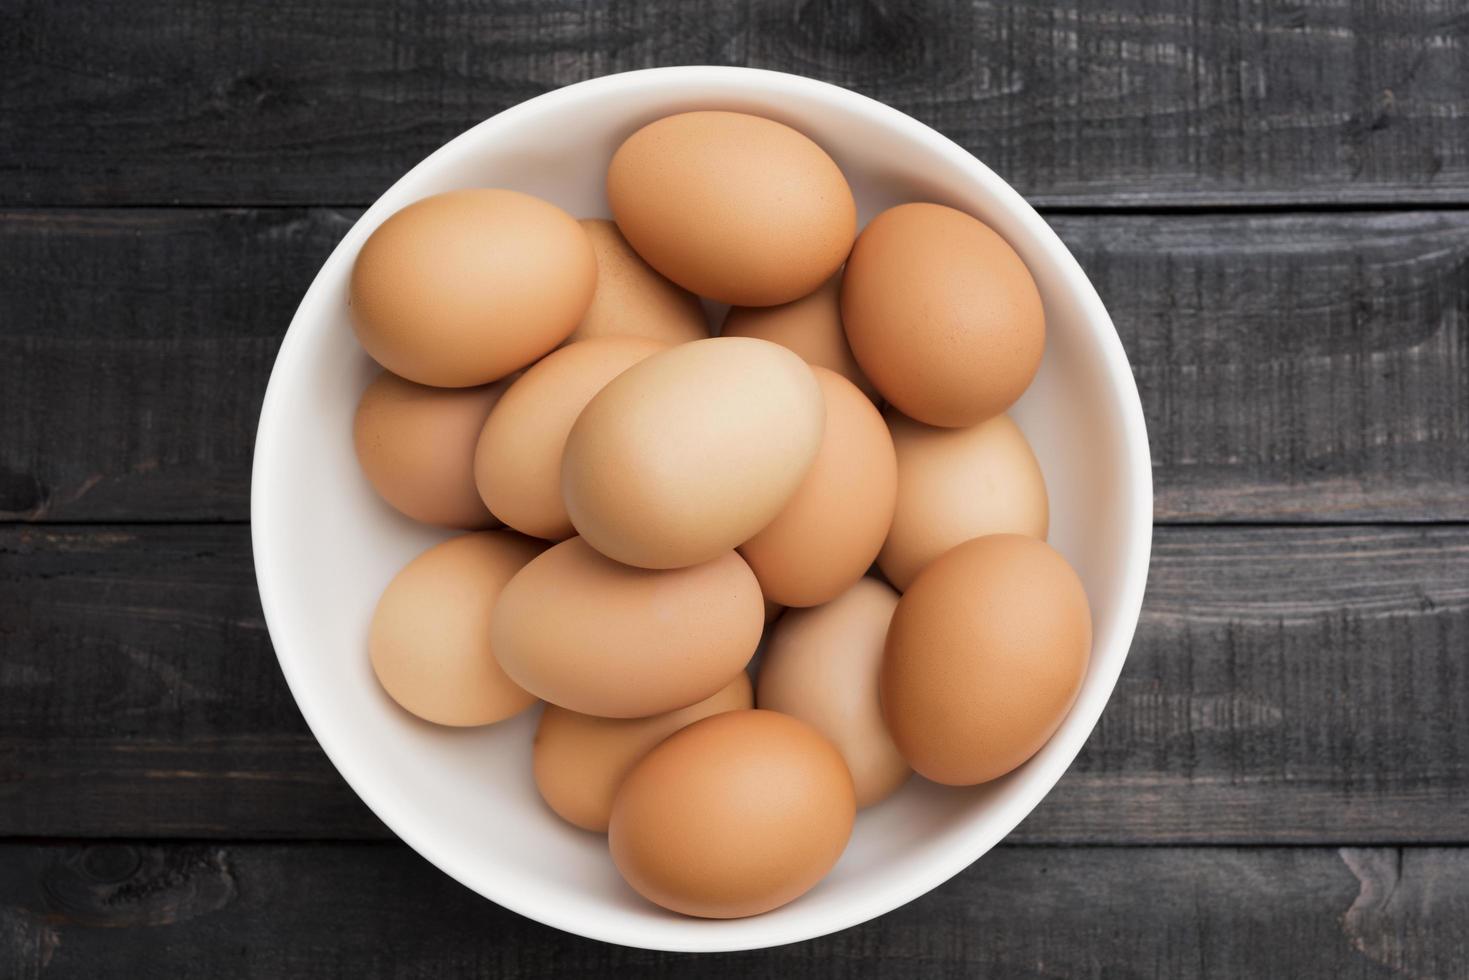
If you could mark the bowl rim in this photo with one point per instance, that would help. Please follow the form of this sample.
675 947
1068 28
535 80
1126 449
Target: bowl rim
1136 472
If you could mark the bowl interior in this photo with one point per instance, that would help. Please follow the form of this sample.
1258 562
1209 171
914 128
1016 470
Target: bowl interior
325 545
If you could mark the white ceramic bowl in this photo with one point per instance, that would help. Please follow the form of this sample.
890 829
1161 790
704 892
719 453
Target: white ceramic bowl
325 545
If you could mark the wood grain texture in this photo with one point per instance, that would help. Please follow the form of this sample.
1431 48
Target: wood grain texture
1286 685
380 911
1138 102
1294 367
1297 368
1289 686
134 351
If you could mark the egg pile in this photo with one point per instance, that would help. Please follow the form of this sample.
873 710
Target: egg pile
834 474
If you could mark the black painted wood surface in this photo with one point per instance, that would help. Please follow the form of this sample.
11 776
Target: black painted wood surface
368 911
1300 368
1287 685
1131 101
1273 200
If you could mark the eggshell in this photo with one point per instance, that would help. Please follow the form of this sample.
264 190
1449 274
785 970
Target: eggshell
957 484
416 446
985 656
580 760
517 464
633 300
429 641
465 287
738 208
733 816
692 451
821 666
606 639
811 326
942 315
832 528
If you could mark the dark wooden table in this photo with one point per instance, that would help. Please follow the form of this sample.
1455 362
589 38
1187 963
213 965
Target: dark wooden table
1272 198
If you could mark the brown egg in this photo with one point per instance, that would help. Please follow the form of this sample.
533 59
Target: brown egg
985 656
416 446
942 315
430 637
466 287
772 611
957 484
684 456
821 666
733 816
580 760
632 300
832 528
734 207
517 465
811 326
606 639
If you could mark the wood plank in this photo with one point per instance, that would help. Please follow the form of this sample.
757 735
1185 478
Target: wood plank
1296 368
1287 685
380 911
1141 101
135 347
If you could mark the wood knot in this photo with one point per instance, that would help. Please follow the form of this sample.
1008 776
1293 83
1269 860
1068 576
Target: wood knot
116 885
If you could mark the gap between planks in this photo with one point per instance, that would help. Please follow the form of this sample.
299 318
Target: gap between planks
12 522
391 840
1120 209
